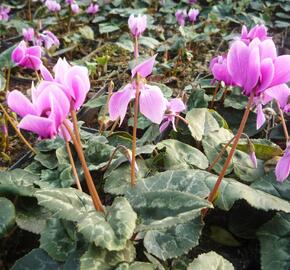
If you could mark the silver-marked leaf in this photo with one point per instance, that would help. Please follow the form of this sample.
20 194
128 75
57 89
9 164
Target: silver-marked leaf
7 216
274 237
96 258
66 203
174 241
201 122
182 156
136 266
36 259
210 261
200 183
159 210
18 182
113 231
58 239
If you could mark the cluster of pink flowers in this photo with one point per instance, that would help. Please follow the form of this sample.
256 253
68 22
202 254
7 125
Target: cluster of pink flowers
181 16
73 6
52 99
93 9
46 39
4 13
52 5
252 63
151 96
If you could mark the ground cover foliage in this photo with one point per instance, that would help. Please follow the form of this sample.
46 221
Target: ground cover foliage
47 223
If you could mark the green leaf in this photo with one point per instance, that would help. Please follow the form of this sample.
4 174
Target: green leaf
264 149
36 259
7 216
96 258
58 239
47 160
108 28
200 183
125 42
159 210
113 231
149 42
174 241
2 82
181 156
87 32
201 123
167 91
274 240
210 261
118 180
18 182
136 266
213 143
66 203
222 236
110 230
5 58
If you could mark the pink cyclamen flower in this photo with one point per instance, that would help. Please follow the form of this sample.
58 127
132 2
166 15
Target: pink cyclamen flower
4 13
180 16
173 108
280 93
192 14
150 97
282 169
73 80
48 40
253 158
52 5
137 25
28 57
69 2
218 67
45 114
192 1
259 31
256 67
28 34
75 8
93 8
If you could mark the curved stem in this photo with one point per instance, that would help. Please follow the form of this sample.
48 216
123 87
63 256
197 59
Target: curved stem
285 130
214 191
133 173
75 125
17 130
71 160
90 183
114 126
136 48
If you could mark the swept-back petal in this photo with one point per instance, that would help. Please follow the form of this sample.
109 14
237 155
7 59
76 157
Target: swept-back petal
60 69
145 68
152 103
30 61
266 76
20 104
46 75
260 116
267 49
34 51
283 167
282 70
42 126
119 102
279 92
176 105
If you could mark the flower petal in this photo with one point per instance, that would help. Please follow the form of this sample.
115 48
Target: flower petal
46 75
176 105
119 102
282 70
20 104
260 116
164 125
267 49
42 126
145 68
279 92
152 103
267 74
283 167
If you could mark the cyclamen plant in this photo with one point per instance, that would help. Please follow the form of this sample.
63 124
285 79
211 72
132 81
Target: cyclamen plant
253 65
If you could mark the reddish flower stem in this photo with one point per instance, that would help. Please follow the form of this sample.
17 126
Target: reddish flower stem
74 170
214 191
133 173
90 183
285 130
214 94
75 125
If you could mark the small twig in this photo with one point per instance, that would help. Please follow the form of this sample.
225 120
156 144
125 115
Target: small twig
17 130
214 94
